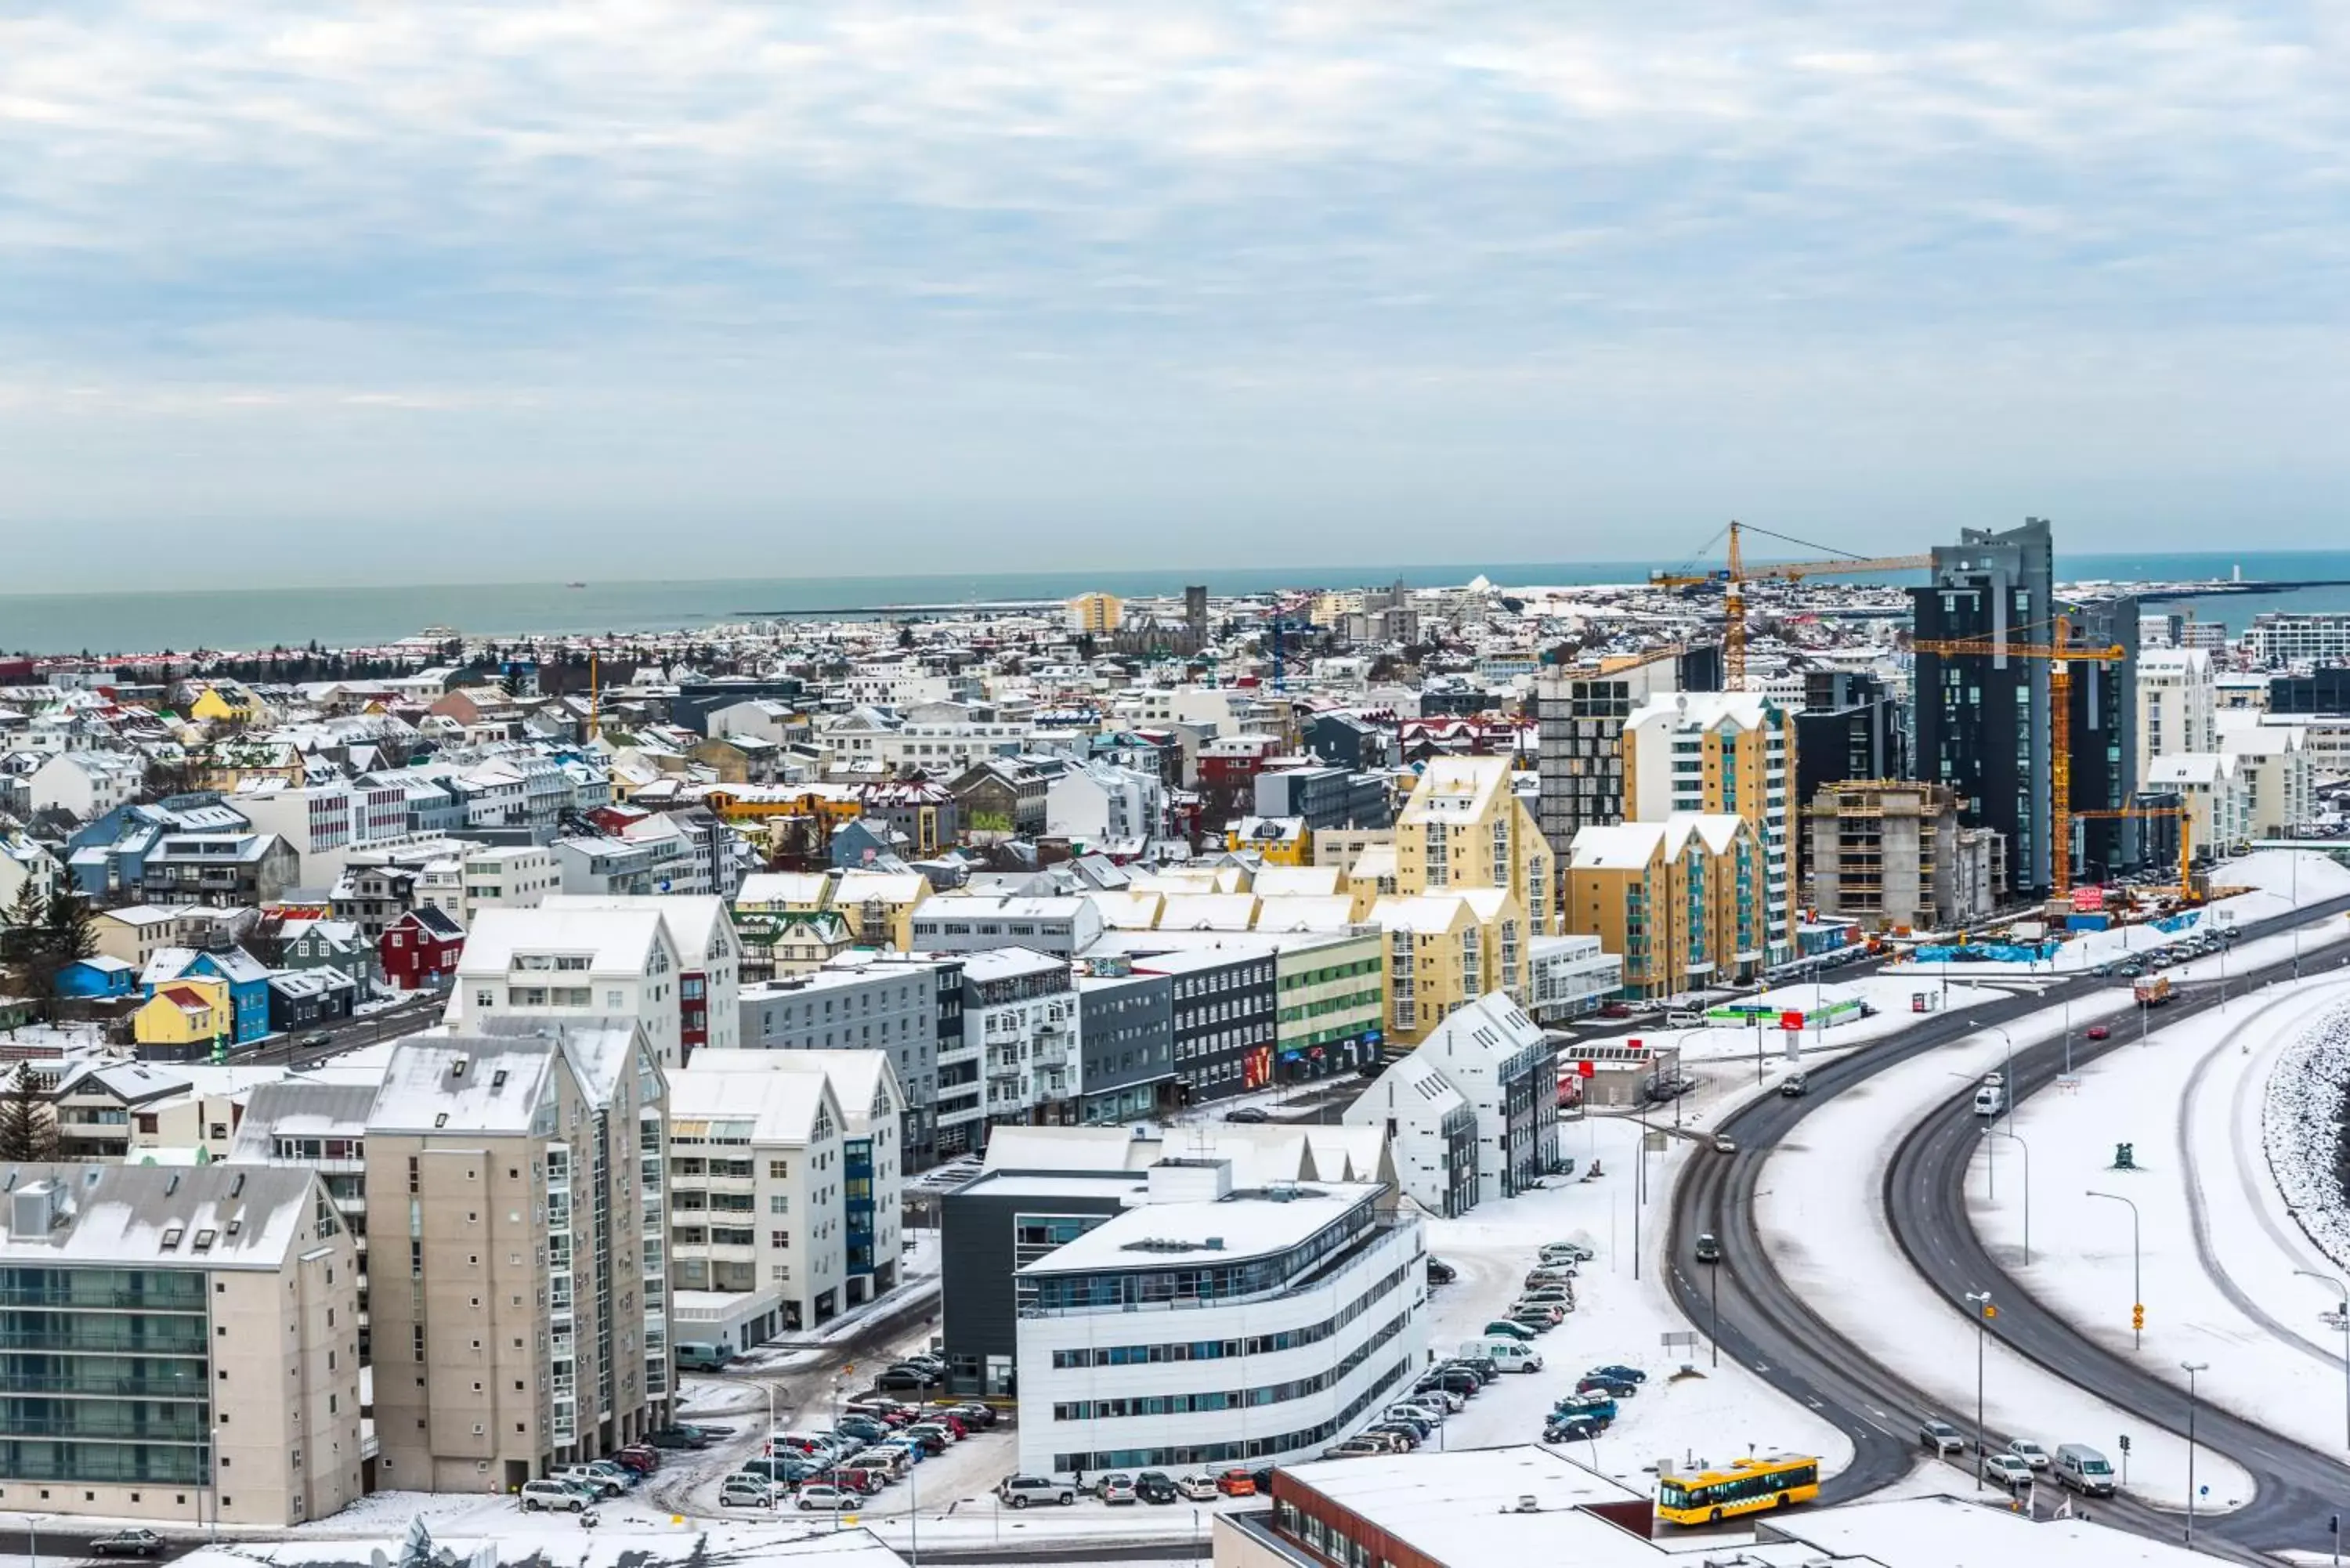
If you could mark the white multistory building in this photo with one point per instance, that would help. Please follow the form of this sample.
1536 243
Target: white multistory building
1018 1049
2177 704
558 964
1204 1324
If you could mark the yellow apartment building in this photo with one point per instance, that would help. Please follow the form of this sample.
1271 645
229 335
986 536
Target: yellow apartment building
1684 901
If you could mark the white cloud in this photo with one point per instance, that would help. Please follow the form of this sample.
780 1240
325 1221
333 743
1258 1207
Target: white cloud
506 221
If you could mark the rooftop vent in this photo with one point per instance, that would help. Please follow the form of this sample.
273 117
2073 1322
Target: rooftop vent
236 1185
34 1210
1528 1504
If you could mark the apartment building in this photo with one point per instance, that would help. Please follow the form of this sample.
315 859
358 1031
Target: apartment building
1097 800
2177 704
1127 1048
1890 853
756 1173
1473 1114
2216 788
1684 901
709 961
505 877
523 1162
323 822
1209 1323
877 905
1579 716
184 1345
1699 752
1018 1048
2278 638
1465 827
319 1127
962 923
556 963
894 1008
2278 764
1225 1015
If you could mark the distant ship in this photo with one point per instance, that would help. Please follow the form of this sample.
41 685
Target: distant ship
575 585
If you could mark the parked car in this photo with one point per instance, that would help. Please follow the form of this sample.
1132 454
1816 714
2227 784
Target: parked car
1502 1328
1618 1370
1440 1272
128 1544
744 1490
599 1483
903 1377
1566 1253
973 1413
828 1498
1708 1248
1599 1406
1019 1492
1237 1482
1155 1486
1616 1388
1572 1429
1197 1488
551 1496
2030 1452
1540 1319
1116 1488
2008 1471
1353 1448
1941 1439
1246 1114
677 1438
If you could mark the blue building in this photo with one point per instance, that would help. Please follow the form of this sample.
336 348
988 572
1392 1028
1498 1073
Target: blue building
99 976
247 979
108 854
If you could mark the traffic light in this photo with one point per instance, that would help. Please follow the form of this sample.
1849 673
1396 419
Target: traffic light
2126 1442
2138 1317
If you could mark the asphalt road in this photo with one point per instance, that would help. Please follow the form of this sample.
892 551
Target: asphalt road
1756 1317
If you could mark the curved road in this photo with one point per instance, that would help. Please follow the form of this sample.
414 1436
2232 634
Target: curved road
1765 1325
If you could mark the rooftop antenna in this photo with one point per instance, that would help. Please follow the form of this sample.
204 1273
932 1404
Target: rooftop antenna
591 695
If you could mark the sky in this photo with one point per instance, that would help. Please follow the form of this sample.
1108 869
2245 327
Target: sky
419 292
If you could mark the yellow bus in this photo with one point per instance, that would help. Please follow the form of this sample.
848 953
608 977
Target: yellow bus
1748 1486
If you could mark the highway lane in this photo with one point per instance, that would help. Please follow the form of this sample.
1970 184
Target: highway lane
1764 1324
2297 1488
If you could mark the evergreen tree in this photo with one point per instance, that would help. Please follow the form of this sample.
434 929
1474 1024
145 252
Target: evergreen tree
27 1131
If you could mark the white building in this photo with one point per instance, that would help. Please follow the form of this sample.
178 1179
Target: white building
2217 792
549 964
710 984
85 784
505 877
325 822
956 922
1571 976
2275 760
754 1198
2280 637
1100 800
1506 1070
1431 1134
1297 1311
1019 1047
2177 704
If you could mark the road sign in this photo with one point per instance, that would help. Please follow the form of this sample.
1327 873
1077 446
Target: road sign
1586 1069
1792 1021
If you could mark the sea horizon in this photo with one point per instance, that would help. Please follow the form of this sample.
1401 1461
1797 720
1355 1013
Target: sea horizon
136 621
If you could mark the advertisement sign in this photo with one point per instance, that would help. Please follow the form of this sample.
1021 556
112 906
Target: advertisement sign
2088 901
1792 1022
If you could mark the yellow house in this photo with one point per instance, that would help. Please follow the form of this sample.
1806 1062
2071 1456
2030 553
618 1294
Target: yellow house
1465 827
877 905
1097 614
1446 950
1280 840
183 1012
227 704
1684 901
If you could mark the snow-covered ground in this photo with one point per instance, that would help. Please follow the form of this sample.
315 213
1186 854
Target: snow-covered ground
1892 996
1717 1414
1822 1213
2218 1244
2301 1130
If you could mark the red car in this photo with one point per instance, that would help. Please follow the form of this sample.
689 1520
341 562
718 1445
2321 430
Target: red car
2098 1031
1237 1483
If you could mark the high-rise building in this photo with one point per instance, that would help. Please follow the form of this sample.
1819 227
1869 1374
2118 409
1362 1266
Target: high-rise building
1982 719
522 1165
1851 726
1580 717
2104 739
1723 753
2177 703
1195 616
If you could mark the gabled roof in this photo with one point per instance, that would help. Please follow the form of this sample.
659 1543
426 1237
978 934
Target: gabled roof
242 1217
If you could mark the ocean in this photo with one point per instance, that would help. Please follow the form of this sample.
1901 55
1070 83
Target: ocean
250 619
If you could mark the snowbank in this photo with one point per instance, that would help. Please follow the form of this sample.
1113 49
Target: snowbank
2301 1130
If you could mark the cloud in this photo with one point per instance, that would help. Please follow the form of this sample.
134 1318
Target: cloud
941 261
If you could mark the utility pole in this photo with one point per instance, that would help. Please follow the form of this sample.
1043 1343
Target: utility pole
2191 1368
1980 1301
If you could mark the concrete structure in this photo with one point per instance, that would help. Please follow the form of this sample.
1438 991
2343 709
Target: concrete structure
755 1177
1325 797
710 961
1683 900
1465 827
184 1345
1225 1001
1018 1047
2277 763
1431 1134
893 1008
2278 638
2217 791
1097 800
1890 854
1723 753
505 877
1299 1308
1579 716
523 1166
1095 614
964 923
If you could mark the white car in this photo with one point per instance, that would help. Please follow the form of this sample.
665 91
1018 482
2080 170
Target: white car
2007 1469
1941 1438
832 1499
2030 1452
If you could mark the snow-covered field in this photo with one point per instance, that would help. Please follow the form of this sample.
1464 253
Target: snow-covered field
2217 1243
1891 995
1823 1217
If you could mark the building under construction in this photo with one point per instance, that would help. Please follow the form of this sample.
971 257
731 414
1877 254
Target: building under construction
1890 854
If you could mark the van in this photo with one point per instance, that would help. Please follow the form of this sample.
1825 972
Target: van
1992 1098
695 1357
1684 1018
2084 1469
1507 1355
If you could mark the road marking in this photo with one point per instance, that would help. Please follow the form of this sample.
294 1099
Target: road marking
1759 1366
1816 1405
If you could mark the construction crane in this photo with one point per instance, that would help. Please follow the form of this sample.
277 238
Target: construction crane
2061 655
2186 836
1736 575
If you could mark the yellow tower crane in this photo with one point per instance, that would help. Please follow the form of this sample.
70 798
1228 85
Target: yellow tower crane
2186 836
2062 654
1736 575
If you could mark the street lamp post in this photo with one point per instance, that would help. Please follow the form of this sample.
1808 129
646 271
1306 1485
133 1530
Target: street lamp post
1979 1302
1714 1329
2344 1292
1994 1132
2137 1278
2191 1368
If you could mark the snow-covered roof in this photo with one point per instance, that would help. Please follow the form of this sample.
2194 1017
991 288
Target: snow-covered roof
461 1082
615 941
211 1216
698 922
1241 1226
781 1106
301 1109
